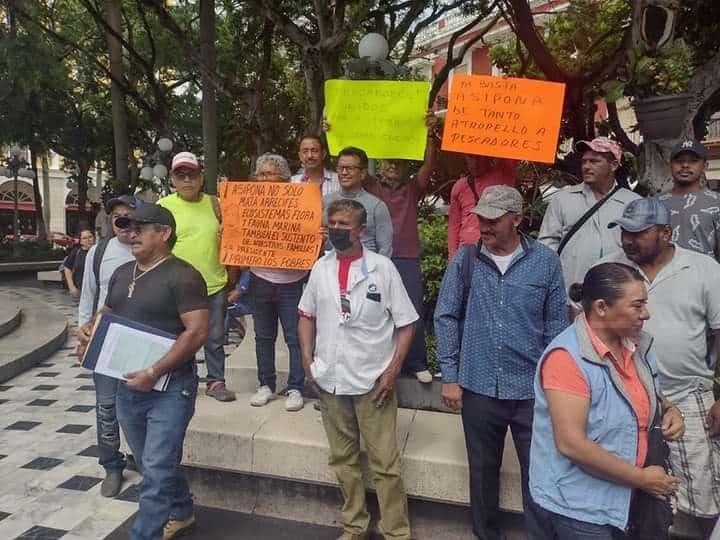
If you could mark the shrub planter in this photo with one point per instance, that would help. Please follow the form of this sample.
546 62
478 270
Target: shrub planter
661 117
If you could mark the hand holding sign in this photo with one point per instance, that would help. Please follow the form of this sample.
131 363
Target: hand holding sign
504 117
384 118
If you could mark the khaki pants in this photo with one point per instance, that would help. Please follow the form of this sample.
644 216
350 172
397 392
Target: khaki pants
346 418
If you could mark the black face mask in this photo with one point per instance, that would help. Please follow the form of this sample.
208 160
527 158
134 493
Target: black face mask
340 239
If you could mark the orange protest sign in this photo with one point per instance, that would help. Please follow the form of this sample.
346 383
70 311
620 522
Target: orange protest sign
275 225
504 117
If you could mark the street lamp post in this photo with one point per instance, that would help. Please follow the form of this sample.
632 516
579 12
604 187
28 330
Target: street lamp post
155 165
16 167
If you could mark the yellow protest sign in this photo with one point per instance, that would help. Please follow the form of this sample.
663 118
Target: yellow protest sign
270 224
504 117
384 118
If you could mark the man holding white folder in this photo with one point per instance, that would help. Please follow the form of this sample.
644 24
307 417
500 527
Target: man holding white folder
166 293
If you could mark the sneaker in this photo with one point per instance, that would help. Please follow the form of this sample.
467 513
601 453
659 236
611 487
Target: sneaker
294 401
176 527
424 376
262 396
219 391
110 487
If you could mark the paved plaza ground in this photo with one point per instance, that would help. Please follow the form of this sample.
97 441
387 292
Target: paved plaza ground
49 474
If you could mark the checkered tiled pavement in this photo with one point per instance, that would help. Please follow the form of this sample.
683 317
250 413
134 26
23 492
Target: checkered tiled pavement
49 474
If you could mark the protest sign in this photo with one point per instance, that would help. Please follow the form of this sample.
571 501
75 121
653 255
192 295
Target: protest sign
504 117
384 118
270 224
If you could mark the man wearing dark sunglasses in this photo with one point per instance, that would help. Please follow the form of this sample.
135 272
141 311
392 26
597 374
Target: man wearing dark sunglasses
110 254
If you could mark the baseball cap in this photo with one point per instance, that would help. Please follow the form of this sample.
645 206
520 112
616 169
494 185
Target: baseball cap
185 159
689 145
127 200
148 213
641 214
496 201
602 145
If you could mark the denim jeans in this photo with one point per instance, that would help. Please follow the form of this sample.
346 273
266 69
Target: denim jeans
485 422
409 269
155 424
108 430
553 526
214 351
270 302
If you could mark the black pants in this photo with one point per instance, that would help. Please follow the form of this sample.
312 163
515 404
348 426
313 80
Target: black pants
486 421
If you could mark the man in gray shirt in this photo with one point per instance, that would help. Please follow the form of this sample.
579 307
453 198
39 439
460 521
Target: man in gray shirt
113 253
694 210
352 169
684 303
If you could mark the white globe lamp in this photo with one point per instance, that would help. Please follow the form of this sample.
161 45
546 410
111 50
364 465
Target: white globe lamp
373 46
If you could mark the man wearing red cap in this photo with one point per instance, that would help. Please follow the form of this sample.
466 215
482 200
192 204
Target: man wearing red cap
576 219
198 223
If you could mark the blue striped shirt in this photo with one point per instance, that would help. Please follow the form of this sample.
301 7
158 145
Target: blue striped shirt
511 318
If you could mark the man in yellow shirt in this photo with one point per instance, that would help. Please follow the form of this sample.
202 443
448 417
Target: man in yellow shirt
197 216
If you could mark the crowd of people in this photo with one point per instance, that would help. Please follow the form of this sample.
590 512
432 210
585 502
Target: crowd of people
594 343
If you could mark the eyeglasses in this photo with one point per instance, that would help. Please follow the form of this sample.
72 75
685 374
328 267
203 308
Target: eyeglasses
266 175
185 177
347 168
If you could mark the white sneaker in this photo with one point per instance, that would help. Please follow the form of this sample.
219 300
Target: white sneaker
424 376
294 401
262 396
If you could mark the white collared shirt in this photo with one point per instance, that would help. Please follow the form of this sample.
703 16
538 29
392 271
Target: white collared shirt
352 352
330 183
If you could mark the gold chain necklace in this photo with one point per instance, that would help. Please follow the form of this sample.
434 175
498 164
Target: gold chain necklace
131 287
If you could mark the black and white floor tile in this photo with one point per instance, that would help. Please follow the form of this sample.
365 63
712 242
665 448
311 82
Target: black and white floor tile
49 474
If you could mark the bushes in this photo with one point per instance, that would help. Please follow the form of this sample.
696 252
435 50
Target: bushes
29 251
433 262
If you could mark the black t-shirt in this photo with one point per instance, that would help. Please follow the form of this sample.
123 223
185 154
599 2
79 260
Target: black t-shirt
75 262
160 295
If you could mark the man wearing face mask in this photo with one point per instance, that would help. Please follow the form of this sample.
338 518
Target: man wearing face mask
356 326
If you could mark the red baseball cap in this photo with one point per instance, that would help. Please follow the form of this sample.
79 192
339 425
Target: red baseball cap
602 145
185 159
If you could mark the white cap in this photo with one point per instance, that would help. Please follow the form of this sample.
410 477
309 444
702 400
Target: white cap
185 159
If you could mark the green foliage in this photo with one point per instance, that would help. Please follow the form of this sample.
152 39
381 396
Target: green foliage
31 251
663 73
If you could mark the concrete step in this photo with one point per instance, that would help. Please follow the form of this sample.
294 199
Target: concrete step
41 332
241 375
10 316
268 461
269 441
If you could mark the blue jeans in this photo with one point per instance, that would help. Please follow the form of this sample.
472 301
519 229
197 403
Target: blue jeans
553 526
155 424
214 351
270 302
108 430
409 269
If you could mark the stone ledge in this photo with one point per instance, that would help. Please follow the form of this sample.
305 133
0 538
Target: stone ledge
28 266
11 316
271 442
42 331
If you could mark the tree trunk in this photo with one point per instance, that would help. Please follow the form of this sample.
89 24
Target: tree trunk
82 187
209 100
315 85
46 191
119 112
39 217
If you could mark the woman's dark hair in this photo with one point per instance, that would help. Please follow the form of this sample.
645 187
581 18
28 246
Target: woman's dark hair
603 282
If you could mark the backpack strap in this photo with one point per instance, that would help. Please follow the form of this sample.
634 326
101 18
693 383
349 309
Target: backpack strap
467 268
216 207
97 260
587 215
